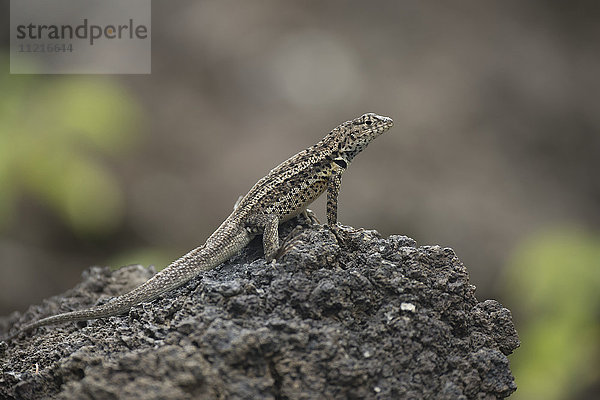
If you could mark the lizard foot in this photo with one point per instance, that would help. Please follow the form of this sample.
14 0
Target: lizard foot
342 234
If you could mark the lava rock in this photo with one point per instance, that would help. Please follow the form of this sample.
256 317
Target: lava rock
341 314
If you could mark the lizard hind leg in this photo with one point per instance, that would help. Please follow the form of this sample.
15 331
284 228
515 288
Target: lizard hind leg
269 224
309 215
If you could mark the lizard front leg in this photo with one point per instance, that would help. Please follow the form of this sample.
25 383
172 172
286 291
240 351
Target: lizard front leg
269 225
333 189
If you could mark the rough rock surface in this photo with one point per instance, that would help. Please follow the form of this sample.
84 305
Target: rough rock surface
347 316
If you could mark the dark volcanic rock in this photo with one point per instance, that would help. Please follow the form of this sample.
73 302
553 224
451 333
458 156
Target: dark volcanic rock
350 315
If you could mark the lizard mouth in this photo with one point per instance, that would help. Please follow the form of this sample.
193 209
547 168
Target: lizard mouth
385 123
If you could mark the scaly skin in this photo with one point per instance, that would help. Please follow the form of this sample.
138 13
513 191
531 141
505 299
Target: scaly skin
281 195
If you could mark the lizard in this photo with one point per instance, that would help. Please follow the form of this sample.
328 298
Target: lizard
285 192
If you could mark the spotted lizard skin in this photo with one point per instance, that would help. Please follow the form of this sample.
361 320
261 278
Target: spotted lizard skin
285 192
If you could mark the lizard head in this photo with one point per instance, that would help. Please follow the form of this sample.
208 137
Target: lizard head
354 136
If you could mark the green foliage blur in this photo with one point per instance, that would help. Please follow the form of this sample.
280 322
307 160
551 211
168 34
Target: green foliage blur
54 134
554 285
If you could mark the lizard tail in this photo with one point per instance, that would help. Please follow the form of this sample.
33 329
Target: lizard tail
190 265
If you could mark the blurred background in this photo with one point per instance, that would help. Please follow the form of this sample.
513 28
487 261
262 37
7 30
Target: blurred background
495 150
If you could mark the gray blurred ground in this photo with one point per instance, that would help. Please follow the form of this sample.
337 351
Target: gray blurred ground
496 127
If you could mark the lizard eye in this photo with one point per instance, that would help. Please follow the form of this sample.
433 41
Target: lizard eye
368 122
